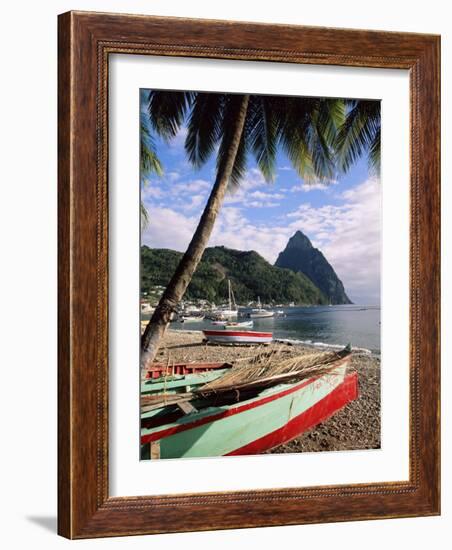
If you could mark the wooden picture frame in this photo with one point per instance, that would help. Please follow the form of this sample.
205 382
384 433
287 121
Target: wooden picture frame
86 40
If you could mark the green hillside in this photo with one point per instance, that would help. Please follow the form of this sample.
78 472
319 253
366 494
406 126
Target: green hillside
251 276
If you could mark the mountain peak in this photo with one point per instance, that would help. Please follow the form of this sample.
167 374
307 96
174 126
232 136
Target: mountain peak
299 240
300 256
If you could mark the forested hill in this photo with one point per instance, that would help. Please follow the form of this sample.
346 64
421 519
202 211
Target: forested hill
251 277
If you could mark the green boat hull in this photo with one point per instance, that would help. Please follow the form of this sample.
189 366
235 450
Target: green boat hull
275 416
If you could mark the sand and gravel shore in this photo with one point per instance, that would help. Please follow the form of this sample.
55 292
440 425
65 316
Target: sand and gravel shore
356 426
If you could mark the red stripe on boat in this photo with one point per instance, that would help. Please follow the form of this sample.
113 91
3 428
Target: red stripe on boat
238 333
344 393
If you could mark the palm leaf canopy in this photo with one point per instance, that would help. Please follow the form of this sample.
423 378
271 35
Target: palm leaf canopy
148 156
149 163
360 134
304 128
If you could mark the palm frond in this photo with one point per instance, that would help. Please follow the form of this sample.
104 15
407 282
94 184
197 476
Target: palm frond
326 117
359 134
204 127
330 117
144 214
375 152
167 111
296 118
263 130
149 161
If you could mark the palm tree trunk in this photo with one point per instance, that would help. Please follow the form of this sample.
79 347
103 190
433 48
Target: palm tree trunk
176 288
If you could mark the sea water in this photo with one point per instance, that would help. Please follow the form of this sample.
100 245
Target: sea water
317 326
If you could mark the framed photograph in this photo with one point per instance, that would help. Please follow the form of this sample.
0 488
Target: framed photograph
248 275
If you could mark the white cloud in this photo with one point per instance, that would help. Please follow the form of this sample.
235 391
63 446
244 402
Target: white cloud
248 191
262 204
150 191
233 230
316 186
168 229
172 176
191 186
195 202
265 196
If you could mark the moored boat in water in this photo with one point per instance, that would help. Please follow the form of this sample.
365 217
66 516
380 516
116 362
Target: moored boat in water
231 310
260 312
191 318
231 410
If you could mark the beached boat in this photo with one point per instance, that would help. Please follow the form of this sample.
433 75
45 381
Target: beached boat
241 410
260 312
237 336
238 325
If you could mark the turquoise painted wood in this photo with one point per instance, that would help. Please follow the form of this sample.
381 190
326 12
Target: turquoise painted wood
179 381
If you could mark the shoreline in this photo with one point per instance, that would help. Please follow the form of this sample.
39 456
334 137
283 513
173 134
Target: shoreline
290 341
356 426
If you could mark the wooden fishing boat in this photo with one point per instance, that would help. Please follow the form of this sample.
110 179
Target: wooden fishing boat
237 336
238 411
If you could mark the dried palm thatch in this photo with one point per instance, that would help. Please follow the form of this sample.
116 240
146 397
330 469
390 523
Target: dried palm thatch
255 374
269 368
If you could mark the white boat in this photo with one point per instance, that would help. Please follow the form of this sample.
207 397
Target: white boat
260 312
238 337
191 318
242 324
231 311
220 323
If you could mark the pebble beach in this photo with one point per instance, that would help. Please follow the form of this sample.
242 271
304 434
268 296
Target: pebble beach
356 426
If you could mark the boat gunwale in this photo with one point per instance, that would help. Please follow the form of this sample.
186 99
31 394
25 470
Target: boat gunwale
226 333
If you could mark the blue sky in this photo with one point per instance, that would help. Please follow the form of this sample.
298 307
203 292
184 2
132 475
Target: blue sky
342 219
